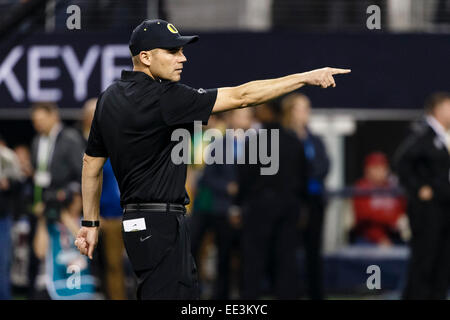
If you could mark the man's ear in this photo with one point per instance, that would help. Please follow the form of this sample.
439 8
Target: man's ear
145 57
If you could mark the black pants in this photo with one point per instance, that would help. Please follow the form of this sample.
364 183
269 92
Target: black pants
269 236
161 256
224 235
311 235
429 264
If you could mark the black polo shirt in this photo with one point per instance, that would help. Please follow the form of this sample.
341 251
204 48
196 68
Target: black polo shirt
133 124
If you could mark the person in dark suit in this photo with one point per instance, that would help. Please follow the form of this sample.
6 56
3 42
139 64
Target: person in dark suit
56 156
296 115
270 207
423 165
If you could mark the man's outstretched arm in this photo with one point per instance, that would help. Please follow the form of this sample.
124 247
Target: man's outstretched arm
257 92
91 189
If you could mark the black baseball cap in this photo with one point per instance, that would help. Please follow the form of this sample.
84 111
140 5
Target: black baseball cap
152 34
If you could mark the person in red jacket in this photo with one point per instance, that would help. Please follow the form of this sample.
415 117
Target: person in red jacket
377 204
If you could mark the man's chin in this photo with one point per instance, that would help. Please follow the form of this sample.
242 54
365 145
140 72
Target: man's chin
172 79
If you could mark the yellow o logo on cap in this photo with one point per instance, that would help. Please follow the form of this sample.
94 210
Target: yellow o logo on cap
172 28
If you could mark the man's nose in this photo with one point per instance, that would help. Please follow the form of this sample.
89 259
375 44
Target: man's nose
182 57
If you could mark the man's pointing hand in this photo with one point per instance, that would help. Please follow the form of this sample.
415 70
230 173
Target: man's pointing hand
324 77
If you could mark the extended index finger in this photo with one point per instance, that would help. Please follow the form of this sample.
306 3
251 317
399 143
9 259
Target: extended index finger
340 71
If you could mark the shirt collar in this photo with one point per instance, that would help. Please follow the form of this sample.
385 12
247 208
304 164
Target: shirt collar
53 132
437 128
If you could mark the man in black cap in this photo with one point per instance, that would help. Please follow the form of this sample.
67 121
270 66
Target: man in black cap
132 125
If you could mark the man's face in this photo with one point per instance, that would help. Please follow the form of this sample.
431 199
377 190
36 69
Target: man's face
377 174
167 63
43 121
300 112
443 113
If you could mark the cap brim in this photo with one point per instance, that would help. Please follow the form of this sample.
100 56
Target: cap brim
180 42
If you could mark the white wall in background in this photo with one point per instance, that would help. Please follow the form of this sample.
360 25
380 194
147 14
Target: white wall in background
399 15
220 15
333 129
205 14
258 15
411 15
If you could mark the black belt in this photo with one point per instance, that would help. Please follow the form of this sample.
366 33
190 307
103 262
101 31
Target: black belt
155 207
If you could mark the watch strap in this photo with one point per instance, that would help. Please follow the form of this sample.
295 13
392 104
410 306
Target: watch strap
90 223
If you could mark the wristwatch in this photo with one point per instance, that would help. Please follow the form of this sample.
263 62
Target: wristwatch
90 223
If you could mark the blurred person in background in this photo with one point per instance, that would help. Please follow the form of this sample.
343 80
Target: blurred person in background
377 204
296 115
111 244
205 244
57 160
23 155
64 273
212 206
197 163
24 261
202 217
10 176
270 207
423 166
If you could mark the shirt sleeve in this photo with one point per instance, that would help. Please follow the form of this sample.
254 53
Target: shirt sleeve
182 104
95 146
